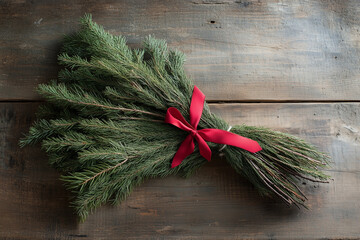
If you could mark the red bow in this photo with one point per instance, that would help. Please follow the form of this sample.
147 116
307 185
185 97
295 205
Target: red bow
174 117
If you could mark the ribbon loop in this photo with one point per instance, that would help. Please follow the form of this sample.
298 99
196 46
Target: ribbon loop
174 117
196 107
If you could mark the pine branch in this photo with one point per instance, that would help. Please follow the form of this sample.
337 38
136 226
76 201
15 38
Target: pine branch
103 124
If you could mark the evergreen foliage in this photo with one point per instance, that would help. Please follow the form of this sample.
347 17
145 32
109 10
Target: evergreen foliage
103 124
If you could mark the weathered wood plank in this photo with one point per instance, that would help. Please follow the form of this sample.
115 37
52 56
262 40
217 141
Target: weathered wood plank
251 50
215 203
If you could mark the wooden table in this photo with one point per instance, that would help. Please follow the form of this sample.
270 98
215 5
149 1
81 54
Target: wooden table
290 65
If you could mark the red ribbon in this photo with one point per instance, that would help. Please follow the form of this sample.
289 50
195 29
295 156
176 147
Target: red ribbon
174 117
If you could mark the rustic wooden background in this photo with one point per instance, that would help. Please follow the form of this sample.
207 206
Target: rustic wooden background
291 65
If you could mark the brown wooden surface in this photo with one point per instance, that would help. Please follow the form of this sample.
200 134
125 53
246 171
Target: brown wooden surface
251 50
215 203
306 52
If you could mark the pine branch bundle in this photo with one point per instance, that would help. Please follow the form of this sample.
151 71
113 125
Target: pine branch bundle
103 124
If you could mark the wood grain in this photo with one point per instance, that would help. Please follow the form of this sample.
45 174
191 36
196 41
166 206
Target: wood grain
252 50
215 203
238 51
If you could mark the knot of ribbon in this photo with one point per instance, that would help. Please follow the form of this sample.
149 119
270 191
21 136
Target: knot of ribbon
174 117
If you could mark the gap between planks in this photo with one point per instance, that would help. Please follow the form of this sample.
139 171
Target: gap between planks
218 101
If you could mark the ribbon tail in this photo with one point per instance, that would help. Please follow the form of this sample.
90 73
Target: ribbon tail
185 149
229 138
204 149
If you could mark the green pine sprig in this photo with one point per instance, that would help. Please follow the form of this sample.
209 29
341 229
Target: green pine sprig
103 124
